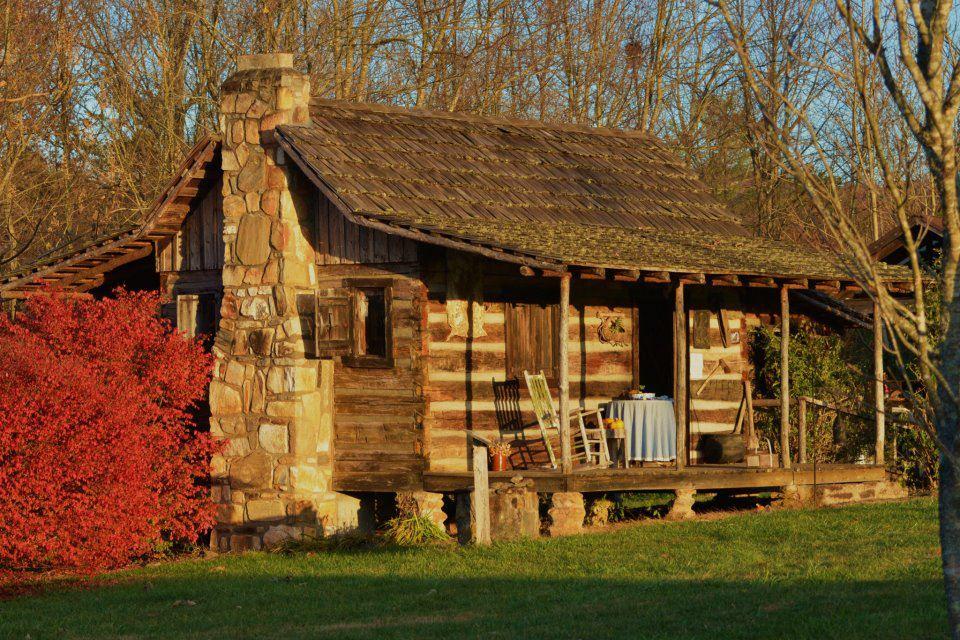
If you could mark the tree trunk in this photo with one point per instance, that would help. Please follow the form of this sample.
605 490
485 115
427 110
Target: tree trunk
950 542
948 428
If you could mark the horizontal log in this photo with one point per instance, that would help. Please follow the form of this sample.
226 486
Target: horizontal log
348 454
485 390
369 448
376 482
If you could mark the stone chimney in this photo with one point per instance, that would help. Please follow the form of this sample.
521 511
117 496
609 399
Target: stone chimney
270 404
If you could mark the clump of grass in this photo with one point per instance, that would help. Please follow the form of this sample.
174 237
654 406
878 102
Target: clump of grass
411 527
414 530
347 541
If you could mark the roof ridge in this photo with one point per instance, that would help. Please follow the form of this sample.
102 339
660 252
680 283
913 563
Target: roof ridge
461 116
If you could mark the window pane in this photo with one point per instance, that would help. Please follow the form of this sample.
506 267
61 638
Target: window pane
372 340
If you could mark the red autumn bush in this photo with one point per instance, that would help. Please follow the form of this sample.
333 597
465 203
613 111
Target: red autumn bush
99 460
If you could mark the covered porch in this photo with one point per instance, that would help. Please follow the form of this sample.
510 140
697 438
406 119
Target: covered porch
778 461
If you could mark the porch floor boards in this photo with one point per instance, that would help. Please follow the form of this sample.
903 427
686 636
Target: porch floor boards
701 477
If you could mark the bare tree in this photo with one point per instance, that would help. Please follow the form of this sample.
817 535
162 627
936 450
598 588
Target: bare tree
912 47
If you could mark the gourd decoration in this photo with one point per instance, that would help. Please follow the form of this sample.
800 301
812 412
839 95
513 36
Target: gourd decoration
611 330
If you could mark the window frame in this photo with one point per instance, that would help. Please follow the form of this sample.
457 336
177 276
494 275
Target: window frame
357 325
188 309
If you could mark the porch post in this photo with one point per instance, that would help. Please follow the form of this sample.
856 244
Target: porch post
566 457
878 382
785 376
680 373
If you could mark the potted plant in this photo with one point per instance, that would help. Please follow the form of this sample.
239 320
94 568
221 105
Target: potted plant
499 452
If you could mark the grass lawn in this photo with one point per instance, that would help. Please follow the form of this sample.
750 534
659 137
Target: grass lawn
870 571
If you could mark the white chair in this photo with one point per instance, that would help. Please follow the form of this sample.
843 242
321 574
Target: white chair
595 450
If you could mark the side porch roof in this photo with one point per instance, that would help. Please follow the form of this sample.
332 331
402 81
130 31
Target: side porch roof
82 269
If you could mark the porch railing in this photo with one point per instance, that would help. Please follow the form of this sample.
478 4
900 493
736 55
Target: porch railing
805 403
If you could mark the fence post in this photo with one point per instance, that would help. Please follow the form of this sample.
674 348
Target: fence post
802 428
481 496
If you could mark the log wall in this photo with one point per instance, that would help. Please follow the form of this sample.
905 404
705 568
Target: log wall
466 375
715 397
378 411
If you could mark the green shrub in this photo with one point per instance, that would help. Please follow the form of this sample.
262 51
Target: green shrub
838 369
825 365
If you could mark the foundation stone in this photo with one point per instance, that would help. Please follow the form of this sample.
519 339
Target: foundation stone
567 513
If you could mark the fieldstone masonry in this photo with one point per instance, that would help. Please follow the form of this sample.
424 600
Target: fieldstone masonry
514 510
567 513
682 506
270 404
825 495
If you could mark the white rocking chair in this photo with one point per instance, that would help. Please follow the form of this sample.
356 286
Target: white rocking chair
595 450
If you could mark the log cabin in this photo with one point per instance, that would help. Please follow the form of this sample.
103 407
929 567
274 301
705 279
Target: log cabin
375 281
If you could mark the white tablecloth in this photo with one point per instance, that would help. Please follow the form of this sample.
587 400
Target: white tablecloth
651 428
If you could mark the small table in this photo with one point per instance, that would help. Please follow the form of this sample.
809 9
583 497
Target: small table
651 428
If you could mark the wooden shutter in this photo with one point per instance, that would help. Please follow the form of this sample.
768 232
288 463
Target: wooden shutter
333 317
187 306
532 332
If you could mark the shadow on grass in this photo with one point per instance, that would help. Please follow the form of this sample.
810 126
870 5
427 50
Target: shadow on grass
631 506
299 605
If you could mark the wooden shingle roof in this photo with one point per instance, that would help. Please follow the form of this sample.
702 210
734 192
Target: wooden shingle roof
561 195
382 159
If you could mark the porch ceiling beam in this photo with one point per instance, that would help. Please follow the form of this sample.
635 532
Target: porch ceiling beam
626 275
592 273
829 286
760 281
530 272
692 278
656 277
725 280
899 287
795 283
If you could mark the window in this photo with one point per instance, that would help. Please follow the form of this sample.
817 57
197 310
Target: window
532 332
197 315
370 322
355 323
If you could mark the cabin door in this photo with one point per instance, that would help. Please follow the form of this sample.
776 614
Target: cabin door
653 346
